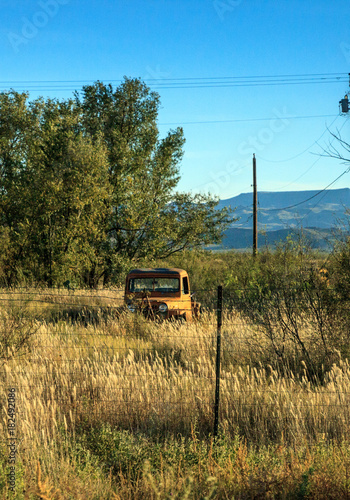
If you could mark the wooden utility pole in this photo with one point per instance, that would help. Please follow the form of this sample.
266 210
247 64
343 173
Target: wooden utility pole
255 210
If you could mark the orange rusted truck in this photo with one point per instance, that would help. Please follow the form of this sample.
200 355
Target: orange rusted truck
161 293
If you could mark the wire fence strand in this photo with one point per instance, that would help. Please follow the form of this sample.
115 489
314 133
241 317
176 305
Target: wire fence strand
125 366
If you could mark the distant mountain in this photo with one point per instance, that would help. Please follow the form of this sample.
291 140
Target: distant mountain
240 238
291 209
282 213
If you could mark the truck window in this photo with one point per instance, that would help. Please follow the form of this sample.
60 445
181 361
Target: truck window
185 287
161 284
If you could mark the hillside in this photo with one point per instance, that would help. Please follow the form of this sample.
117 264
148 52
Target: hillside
282 213
241 238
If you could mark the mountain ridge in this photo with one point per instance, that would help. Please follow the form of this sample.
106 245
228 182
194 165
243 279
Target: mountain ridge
290 209
283 213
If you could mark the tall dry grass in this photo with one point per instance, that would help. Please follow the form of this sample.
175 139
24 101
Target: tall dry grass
154 380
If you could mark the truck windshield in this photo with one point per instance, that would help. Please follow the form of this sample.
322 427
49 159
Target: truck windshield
163 285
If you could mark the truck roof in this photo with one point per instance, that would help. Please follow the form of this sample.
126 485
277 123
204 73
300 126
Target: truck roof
158 270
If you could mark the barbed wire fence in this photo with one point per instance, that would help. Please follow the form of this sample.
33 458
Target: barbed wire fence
87 361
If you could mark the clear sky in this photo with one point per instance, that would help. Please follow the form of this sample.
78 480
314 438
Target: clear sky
220 67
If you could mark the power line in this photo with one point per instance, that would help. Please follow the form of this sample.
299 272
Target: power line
310 198
257 77
245 84
304 151
302 175
242 120
295 75
209 182
170 87
192 82
318 159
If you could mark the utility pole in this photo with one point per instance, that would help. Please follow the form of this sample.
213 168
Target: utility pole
255 210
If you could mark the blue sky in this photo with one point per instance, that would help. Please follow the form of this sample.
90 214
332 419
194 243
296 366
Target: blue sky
73 42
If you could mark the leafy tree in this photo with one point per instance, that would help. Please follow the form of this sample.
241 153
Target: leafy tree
71 194
149 218
54 189
87 185
16 124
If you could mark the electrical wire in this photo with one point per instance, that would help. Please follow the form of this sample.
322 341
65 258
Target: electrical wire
296 75
248 120
230 85
307 199
192 82
304 151
311 197
316 204
158 87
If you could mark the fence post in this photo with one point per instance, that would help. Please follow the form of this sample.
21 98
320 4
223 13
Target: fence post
218 359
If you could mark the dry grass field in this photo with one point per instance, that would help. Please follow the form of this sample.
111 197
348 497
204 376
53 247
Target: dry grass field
109 405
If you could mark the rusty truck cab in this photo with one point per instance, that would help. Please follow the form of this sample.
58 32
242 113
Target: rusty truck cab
160 293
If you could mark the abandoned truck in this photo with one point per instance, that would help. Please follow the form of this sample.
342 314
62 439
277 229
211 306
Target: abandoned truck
161 293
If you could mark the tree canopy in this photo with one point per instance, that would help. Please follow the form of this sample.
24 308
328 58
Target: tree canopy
87 186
